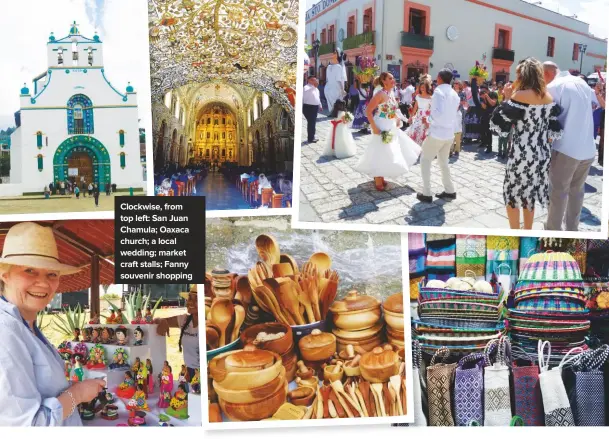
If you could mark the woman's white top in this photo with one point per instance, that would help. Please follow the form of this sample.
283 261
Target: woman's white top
190 343
32 375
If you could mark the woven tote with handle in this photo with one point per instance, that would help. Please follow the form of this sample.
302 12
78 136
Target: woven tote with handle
527 394
440 379
497 400
469 390
589 398
556 406
419 415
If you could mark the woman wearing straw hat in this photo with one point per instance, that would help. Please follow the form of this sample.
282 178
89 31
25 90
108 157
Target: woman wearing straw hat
189 331
32 379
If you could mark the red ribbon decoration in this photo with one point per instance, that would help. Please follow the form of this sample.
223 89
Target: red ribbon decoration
335 123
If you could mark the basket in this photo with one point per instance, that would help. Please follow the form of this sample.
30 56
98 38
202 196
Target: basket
550 267
364 78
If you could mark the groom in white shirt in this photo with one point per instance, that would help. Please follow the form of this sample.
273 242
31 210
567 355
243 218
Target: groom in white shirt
440 136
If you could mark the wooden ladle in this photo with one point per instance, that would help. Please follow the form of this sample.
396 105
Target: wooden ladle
244 289
268 249
321 261
221 313
239 318
289 259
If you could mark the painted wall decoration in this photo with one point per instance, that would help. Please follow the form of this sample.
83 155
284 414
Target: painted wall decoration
92 147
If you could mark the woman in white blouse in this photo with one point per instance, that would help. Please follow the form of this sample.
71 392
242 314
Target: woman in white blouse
34 387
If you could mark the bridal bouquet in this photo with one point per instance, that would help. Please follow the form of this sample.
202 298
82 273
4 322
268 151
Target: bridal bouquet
386 136
348 117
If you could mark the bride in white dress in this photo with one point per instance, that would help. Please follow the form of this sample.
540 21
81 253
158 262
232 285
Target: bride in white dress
391 159
340 144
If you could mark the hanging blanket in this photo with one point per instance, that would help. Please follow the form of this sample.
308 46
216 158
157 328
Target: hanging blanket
440 263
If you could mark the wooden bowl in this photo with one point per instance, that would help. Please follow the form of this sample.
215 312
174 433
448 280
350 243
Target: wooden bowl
394 304
351 371
356 312
256 411
317 346
395 333
305 397
332 376
289 363
251 395
359 335
366 344
243 380
394 320
301 331
245 361
379 365
279 346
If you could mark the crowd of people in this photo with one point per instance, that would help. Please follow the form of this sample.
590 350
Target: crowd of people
544 121
72 187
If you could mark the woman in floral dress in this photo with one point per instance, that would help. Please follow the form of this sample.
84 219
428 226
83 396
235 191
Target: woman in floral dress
421 109
395 155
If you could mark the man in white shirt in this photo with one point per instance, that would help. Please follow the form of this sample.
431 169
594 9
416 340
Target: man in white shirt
440 137
311 105
406 94
573 154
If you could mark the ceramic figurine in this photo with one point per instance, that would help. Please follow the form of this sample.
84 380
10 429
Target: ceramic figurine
105 335
94 320
82 351
138 318
142 378
110 412
140 398
110 399
120 359
86 334
195 383
150 376
148 318
139 336
126 389
184 378
67 367
76 333
86 414
95 333
112 336
166 386
178 407
78 372
136 365
112 319
97 358
121 336
119 320
65 350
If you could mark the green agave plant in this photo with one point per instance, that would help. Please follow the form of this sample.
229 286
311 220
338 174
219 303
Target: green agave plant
40 320
70 319
136 301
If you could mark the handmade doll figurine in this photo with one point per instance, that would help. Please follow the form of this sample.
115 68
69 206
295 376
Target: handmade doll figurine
82 351
112 319
95 333
195 383
76 333
139 336
178 406
94 320
119 320
121 336
126 389
142 378
67 369
166 386
138 318
136 365
86 334
148 318
97 358
150 376
111 338
184 378
140 398
65 350
120 359
105 335
78 372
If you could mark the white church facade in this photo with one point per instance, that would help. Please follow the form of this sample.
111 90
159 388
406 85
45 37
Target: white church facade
73 124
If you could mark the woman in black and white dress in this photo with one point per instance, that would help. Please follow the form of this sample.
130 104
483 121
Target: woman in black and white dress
530 108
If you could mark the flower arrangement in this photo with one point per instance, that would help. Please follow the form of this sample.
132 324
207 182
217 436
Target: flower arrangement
479 71
348 117
365 68
386 136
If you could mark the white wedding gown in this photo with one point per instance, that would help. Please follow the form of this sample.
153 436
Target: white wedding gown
390 160
344 145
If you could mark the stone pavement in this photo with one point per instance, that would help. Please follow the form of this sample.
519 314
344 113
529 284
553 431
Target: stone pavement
331 191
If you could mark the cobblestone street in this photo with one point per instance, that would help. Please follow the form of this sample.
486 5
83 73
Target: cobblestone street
331 191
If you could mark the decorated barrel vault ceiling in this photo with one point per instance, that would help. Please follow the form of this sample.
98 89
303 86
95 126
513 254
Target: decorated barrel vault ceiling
245 43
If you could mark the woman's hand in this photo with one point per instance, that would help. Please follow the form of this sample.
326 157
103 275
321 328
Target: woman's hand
86 390
375 130
508 89
162 328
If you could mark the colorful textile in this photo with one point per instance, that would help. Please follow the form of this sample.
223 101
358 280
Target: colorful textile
527 395
551 267
471 255
528 247
502 255
440 379
469 390
416 254
440 263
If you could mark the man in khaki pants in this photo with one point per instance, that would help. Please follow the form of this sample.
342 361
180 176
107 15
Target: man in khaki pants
440 137
573 154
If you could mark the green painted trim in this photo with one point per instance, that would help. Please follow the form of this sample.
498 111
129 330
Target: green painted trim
94 148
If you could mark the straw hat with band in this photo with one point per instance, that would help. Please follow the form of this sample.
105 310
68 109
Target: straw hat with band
193 289
32 245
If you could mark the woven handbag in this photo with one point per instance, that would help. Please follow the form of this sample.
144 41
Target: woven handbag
469 390
440 379
497 400
556 406
528 404
590 387
419 415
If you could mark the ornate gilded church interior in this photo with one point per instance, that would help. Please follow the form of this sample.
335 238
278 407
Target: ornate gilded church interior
223 76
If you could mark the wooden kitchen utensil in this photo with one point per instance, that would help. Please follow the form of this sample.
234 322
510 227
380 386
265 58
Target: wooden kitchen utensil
305 300
321 261
244 289
267 247
239 318
221 314
290 260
